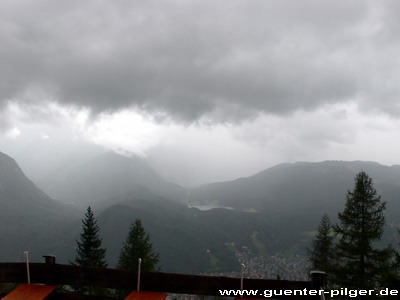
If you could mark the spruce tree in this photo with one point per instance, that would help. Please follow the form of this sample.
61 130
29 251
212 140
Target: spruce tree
89 251
360 265
320 254
138 245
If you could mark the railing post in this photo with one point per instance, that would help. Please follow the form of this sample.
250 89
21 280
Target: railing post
138 273
242 266
28 271
50 262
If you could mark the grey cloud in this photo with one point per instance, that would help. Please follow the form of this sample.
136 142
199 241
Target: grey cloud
224 59
3 122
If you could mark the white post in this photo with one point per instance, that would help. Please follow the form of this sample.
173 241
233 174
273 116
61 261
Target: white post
138 273
26 254
241 280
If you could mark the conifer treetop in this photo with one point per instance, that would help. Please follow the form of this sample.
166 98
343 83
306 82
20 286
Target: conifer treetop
89 251
138 245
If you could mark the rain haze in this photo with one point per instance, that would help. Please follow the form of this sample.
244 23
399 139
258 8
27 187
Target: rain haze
205 90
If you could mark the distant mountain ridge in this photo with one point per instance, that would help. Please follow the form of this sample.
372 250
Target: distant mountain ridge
28 217
110 176
285 186
189 240
20 194
274 211
294 196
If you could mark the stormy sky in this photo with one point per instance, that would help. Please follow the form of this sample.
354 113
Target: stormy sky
207 90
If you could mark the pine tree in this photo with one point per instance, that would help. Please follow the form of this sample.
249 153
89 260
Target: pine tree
138 245
359 264
320 254
89 251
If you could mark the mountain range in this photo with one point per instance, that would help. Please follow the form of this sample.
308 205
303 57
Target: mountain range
274 211
109 177
311 188
189 240
29 219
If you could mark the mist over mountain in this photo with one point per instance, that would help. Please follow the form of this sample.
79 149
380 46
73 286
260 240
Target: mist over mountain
43 157
295 196
189 240
274 211
312 187
198 93
108 177
29 219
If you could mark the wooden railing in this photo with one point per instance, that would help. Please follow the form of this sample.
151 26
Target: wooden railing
57 274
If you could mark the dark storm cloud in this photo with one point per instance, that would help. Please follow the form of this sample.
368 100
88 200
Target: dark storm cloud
225 59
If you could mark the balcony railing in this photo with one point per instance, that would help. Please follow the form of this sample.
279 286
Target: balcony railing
51 273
